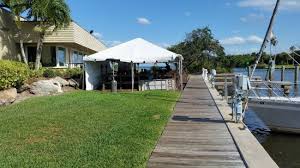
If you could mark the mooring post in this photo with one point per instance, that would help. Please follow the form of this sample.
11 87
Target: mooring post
296 75
226 90
249 71
282 73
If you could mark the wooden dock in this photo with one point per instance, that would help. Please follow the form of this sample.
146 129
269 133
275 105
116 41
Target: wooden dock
196 135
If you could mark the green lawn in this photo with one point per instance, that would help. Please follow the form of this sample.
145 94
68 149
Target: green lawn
84 129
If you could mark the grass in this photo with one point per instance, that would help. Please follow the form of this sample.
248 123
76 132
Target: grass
84 129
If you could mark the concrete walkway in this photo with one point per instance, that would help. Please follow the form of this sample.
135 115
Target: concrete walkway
196 135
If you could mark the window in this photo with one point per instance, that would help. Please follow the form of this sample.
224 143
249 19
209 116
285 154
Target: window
80 58
74 57
61 56
77 57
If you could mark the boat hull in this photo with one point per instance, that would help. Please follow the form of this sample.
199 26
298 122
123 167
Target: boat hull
278 116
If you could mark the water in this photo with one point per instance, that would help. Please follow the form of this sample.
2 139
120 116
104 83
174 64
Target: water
283 148
289 76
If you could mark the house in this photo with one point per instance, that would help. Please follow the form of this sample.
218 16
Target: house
62 48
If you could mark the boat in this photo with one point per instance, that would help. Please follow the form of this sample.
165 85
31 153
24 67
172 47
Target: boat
280 114
278 111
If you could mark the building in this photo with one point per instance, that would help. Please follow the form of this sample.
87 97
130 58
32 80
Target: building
62 48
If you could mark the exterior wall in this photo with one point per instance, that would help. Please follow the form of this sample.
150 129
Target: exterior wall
72 38
8 48
84 38
70 34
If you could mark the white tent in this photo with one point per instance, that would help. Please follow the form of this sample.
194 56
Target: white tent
134 51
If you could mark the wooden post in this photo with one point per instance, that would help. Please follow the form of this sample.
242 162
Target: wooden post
249 70
282 73
296 75
132 77
226 89
181 82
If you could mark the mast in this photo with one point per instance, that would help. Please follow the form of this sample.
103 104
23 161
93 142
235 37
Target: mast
267 36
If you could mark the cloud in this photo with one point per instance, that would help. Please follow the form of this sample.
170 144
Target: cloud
233 41
270 4
187 14
112 43
228 4
237 40
143 21
254 39
253 17
98 35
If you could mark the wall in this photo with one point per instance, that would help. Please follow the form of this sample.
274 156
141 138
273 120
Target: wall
8 48
93 75
70 34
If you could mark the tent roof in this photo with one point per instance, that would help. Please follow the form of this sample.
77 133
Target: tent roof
137 51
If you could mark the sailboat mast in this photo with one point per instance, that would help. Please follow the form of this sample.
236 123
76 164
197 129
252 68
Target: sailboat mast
267 36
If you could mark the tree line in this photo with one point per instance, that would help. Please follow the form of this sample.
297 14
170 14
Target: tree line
200 50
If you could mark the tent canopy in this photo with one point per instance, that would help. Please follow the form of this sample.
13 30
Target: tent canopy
137 51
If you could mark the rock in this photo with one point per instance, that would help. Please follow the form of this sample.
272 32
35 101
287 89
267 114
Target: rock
8 96
73 83
23 88
46 87
60 80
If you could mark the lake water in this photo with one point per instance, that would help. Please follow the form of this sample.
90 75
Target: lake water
283 148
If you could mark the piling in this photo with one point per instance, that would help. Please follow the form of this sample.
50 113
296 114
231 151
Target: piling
226 90
282 73
249 70
296 75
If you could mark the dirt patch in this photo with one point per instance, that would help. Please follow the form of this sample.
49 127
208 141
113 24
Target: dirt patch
35 139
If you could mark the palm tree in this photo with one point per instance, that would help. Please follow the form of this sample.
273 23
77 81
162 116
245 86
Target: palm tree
17 7
49 14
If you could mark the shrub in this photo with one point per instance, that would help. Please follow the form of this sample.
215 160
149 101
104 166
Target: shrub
64 73
73 73
49 73
37 73
12 74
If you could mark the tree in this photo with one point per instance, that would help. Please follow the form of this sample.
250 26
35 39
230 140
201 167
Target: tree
17 7
199 50
49 14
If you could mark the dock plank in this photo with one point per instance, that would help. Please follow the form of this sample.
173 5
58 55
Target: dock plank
196 135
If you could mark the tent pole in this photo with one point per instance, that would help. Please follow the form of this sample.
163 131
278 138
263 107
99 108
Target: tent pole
132 77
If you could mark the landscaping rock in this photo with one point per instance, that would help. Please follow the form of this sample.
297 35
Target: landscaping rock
23 88
73 83
62 81
8 96
46 87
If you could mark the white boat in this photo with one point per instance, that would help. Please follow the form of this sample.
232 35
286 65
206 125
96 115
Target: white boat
280 114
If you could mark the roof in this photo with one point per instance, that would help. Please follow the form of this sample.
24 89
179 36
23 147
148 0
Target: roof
137 51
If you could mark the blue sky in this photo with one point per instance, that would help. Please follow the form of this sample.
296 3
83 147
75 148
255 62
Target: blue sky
239 24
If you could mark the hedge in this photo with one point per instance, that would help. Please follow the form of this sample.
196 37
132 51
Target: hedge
12 74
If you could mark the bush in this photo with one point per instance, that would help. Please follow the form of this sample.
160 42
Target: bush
73 73
13 74
64 73
37 73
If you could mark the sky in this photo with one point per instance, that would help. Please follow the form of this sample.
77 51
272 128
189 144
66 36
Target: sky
239 25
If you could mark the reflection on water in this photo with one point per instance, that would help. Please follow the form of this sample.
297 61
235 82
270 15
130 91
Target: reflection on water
283 148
